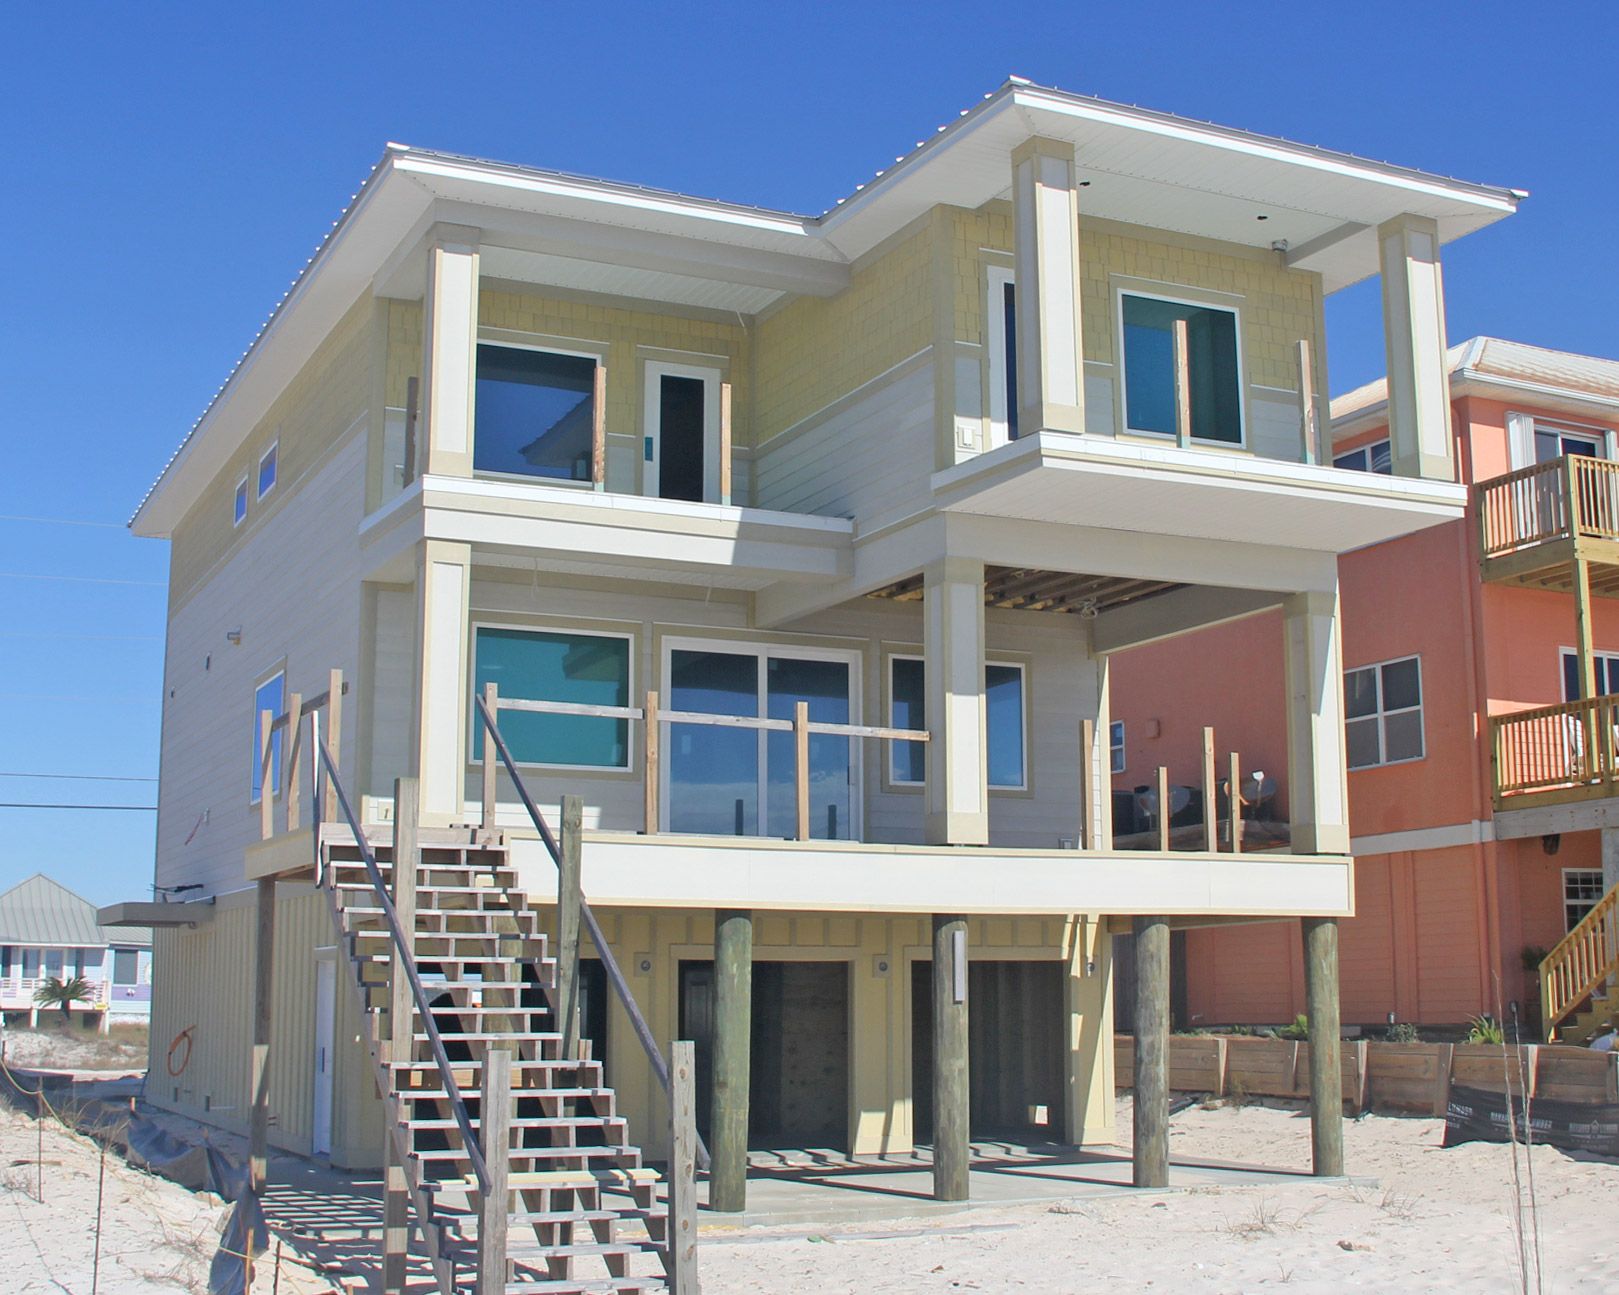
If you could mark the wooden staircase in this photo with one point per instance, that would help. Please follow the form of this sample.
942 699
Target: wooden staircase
1579 979
490 982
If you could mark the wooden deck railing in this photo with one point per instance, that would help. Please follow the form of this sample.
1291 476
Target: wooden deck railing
293 759
1586 957
1532 505
1568 745
652 717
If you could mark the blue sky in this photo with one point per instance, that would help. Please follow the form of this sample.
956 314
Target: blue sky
169 168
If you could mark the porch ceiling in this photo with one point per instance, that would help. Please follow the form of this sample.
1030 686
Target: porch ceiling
1026 589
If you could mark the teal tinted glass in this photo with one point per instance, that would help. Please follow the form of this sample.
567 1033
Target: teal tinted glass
1149 368
1003 700
267 697
713 770
539 665
907 708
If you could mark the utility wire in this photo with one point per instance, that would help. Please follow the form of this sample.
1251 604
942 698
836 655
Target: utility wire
67 634
30 804
80 580
80 777
58 521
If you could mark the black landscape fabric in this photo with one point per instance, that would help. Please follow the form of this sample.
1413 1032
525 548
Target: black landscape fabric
1480 1115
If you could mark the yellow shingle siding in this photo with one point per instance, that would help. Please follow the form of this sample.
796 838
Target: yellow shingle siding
329 394
816 349
404 360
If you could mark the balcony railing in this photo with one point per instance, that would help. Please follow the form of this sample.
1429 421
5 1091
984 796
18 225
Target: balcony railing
1532 505
1569 747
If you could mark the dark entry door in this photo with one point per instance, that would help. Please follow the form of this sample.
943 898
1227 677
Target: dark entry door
798 1089
681 433
1015 1041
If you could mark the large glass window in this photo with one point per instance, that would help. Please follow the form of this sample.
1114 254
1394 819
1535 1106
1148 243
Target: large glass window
536 413
1383 713
268 696
1004 716
1582 887
1554 442
546 665
824 685
1149 368
1376 457
1606 666
1001 317
125 966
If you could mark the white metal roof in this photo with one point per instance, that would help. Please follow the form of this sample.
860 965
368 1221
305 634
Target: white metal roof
41 911
546 226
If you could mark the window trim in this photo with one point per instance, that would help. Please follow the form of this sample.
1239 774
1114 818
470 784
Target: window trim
762 650
239 505
1563 875
271 451
546 348
255 768
712 376
1123 290
1122 762
1022 667
475 718
997 278
1382 715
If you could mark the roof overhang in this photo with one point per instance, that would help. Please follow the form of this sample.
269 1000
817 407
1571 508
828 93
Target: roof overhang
1195 494
147 913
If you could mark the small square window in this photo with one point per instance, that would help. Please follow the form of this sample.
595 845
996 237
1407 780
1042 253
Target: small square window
268 696
239 509
267 471
1383 713
1115 746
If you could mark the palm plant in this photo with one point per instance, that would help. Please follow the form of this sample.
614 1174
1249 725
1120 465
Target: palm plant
60 993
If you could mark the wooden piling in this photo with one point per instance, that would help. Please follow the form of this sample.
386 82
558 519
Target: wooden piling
1326 1077
569 904
952 1133
258 1141
682 1235
494 1133
395 1219
733 1024
1150 1157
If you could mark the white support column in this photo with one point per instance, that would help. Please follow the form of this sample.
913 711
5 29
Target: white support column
1317 781
953 651
1414 335
1045 221
1610 858
449 351
439 756
1093 695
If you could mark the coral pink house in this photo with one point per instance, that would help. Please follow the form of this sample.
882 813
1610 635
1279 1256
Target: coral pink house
1453 882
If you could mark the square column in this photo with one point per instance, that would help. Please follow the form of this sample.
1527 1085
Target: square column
1414 335
1317 763
1045 222
449 351
957 799
440 748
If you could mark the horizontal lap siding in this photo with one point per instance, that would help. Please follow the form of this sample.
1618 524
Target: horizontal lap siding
1366 946
1445 888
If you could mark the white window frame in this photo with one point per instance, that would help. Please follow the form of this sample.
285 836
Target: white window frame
486 474
255 797
238 504
1568 874
1117 759
763 652
998 278
475 716
711 377
271 451
1382 715
1023 670
1122 291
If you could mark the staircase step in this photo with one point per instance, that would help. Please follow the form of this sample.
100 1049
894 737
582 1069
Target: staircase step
538 1155
492 1036
558 1218
589 1286
529 1122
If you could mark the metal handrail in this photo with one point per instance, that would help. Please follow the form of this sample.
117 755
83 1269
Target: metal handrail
615 973
407 961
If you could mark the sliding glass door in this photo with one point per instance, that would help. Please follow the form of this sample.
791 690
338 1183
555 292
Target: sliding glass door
734 780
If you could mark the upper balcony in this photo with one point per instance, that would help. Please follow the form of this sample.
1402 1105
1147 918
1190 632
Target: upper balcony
1539 524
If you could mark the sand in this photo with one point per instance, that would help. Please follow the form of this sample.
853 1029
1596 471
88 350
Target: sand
1436 1220
55 1048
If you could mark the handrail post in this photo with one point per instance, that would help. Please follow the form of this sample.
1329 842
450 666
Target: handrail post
491 696
406 819
801 781
334 741
1183 384
266 777
1163 809
1087 783
652 731
1211 808
1235 807
295 728
569 898
681 1237
494 1118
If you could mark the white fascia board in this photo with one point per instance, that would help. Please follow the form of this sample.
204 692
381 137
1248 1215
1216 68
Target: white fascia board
667 871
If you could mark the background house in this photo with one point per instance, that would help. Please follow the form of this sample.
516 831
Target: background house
46 930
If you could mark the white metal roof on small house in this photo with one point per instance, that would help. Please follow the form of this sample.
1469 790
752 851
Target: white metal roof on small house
547 227
1508 370
43 912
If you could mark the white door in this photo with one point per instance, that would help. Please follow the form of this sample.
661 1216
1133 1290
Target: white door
325 1036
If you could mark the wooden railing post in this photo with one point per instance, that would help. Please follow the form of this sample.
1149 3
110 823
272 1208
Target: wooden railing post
267 774
1309 420
293 786
334 740
1183 385
1211 803
1236 804
494 1116
1163 809
491 697
681 1237
725 442
1088 783
569 898
801 778
652 730
598 428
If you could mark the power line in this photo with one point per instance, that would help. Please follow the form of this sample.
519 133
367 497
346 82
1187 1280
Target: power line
46 696
58 521
80 777
81 580
110 638
32 804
